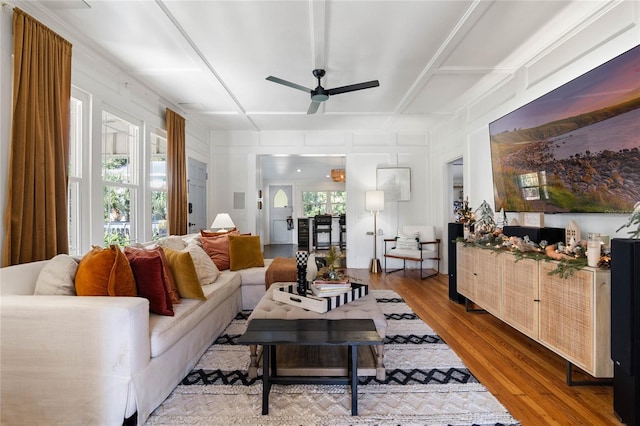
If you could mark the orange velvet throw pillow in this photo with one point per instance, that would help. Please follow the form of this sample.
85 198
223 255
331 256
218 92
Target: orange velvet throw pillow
105 272
245 252
215 233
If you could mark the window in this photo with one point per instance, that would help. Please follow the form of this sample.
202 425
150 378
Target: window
75 174
280 200
158 184
120 167
324 202
78 189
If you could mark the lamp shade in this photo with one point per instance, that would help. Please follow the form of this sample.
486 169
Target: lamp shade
374 201
222 221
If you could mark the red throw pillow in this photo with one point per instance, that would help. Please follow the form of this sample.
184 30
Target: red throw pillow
217 247
149 274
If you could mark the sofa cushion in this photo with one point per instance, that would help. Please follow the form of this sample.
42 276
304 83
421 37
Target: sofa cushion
57 278
105 272
166 331
148 272
245 252
205 268
167 275
184 272
174 242
204 233
217 247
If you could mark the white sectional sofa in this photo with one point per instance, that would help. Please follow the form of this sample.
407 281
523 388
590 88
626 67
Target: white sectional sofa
102 360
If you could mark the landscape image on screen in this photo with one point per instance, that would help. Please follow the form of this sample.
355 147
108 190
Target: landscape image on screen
575 149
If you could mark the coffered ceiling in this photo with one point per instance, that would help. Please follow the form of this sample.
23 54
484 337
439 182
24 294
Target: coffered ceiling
432 57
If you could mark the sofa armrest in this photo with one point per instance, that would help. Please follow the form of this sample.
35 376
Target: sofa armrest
70 359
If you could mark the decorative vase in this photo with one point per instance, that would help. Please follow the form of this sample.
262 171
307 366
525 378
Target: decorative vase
301 262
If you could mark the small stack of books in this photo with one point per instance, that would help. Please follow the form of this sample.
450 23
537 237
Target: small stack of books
324 288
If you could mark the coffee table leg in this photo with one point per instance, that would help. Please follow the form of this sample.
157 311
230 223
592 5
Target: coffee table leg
266 386
253 363
353 360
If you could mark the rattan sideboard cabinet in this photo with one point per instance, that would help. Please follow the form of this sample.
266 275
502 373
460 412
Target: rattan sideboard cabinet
571 316
520 294
481 278
575 317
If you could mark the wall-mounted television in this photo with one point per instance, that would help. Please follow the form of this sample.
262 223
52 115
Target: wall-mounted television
575 149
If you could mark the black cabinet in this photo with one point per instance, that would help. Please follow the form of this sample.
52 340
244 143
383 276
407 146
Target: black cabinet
322 228
303 234
455 230
625 328
342 221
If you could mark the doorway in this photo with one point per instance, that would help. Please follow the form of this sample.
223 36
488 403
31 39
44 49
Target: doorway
281 214
455 192
197 195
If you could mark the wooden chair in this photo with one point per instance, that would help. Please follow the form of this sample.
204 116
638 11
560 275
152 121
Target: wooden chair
416 244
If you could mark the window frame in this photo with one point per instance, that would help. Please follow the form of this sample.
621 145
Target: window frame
79 179
328 204
135 184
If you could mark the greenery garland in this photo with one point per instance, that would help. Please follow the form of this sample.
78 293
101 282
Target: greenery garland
565 268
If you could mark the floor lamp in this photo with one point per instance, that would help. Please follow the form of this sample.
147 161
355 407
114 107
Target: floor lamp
374 202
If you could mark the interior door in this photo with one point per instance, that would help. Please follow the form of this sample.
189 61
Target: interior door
197 197
280 211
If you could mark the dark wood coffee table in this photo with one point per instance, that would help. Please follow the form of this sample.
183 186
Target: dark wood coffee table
320 332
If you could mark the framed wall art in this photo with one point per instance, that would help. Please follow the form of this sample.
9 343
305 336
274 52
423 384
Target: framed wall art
395 182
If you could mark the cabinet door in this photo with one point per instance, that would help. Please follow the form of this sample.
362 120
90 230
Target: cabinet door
520 294
566 315
488 285
465 257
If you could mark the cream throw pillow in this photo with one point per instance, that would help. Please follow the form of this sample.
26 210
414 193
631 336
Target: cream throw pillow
57 278
207 271
407 241
174 242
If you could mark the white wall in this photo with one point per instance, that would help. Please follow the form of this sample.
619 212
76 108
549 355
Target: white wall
234 164
467 134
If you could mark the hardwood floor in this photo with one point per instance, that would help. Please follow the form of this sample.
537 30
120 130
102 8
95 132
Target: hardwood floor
526 377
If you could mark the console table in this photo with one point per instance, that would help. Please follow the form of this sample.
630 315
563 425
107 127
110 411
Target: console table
321 332
570 316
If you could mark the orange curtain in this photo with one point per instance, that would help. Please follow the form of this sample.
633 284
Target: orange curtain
176 174
36 222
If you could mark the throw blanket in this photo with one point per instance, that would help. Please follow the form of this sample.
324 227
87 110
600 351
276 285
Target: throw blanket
282 269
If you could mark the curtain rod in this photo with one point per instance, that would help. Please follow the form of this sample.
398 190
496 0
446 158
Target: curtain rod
4 3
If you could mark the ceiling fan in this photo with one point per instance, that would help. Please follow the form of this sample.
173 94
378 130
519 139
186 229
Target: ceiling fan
320 94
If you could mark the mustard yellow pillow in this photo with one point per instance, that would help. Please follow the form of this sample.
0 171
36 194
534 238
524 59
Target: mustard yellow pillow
184 273
105 272
244 252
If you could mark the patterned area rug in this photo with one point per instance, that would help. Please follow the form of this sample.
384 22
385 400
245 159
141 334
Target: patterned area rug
426 384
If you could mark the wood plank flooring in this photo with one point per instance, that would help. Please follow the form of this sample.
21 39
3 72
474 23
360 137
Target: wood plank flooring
527 378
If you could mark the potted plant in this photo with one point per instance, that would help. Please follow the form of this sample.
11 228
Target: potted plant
634 219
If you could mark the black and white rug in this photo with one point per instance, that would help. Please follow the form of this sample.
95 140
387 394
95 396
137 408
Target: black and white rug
426 384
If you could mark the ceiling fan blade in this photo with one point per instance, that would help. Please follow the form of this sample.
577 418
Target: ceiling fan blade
288 83
353 87
313 108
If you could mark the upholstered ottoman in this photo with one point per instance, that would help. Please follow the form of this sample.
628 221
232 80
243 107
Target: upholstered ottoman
363 308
